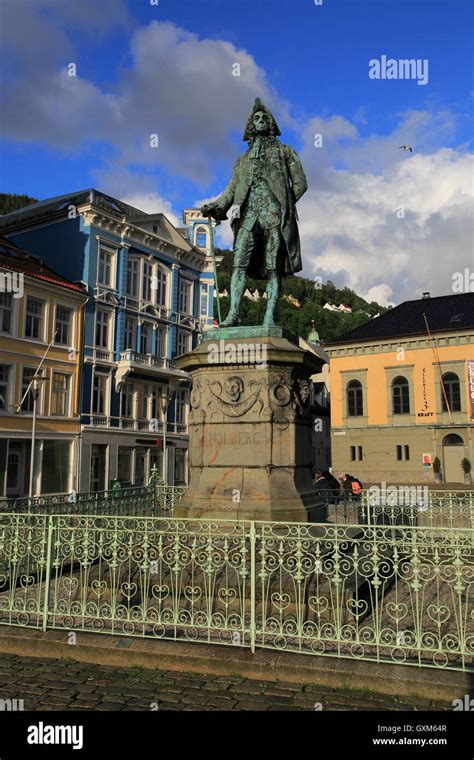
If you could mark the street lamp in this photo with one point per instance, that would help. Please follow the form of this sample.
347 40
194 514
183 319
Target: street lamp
165 400
35 389
164 403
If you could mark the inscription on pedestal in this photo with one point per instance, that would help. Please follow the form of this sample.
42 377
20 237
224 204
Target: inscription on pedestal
233 438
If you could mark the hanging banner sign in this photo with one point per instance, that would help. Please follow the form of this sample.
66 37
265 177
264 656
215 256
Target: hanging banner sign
470 384
424 412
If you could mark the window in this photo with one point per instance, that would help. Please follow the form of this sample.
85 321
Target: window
99 392
102 329
55 466
4 378
204 300
453 392
144 397
161 342
130 334
355 406
27 376
357 453
360 453
6 312
124 467
63 325
104 275
34 318
453 440
179 466
160 287
154 404
181 407
184 302
60 394
147 281
400 396
403 453
182 343
201 237
145 338
126 406
132 277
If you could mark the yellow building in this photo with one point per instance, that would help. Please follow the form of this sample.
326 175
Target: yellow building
41 316
402 393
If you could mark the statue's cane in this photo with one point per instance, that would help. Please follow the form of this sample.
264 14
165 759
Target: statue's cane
213 254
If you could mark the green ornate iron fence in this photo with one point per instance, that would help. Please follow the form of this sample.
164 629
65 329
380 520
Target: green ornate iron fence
25 546
153 500
404 505
388 593
126 500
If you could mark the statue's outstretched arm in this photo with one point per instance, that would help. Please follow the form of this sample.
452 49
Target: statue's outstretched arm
219 208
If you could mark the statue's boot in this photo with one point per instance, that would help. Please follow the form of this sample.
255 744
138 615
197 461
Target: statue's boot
237 285
273 293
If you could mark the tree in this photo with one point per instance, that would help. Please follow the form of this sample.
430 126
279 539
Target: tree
297 320
12 202
227 262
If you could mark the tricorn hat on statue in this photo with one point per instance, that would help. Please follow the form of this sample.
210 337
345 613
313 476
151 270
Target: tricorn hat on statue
259 106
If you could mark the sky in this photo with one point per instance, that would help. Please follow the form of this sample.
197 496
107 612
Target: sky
85 86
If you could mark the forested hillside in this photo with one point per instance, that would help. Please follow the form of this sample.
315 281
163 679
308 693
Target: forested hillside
311 296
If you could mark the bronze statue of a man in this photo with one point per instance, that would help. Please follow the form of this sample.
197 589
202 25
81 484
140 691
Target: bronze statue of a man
267 181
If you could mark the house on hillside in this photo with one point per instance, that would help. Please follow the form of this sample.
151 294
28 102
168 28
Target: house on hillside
292 300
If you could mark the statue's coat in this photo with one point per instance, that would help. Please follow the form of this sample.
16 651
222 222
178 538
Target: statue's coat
286 180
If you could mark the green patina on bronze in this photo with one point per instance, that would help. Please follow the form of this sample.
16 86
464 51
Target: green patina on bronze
246 331
266 183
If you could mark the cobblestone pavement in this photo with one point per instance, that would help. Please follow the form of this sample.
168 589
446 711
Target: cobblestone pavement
46 684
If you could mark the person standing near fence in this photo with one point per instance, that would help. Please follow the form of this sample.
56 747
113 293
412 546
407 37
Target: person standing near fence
352 488
324 487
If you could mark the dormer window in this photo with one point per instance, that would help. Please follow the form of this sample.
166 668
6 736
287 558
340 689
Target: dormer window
201 237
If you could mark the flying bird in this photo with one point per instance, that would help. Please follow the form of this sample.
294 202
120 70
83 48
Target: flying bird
406 147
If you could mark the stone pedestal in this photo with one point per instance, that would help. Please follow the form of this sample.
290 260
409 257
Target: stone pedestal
250 426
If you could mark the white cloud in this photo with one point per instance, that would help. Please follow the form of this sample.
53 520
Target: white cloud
349 225
178 86
381 294
152 203
181 87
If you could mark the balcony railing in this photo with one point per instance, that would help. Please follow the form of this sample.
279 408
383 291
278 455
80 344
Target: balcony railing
147 360
100 354
130 423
